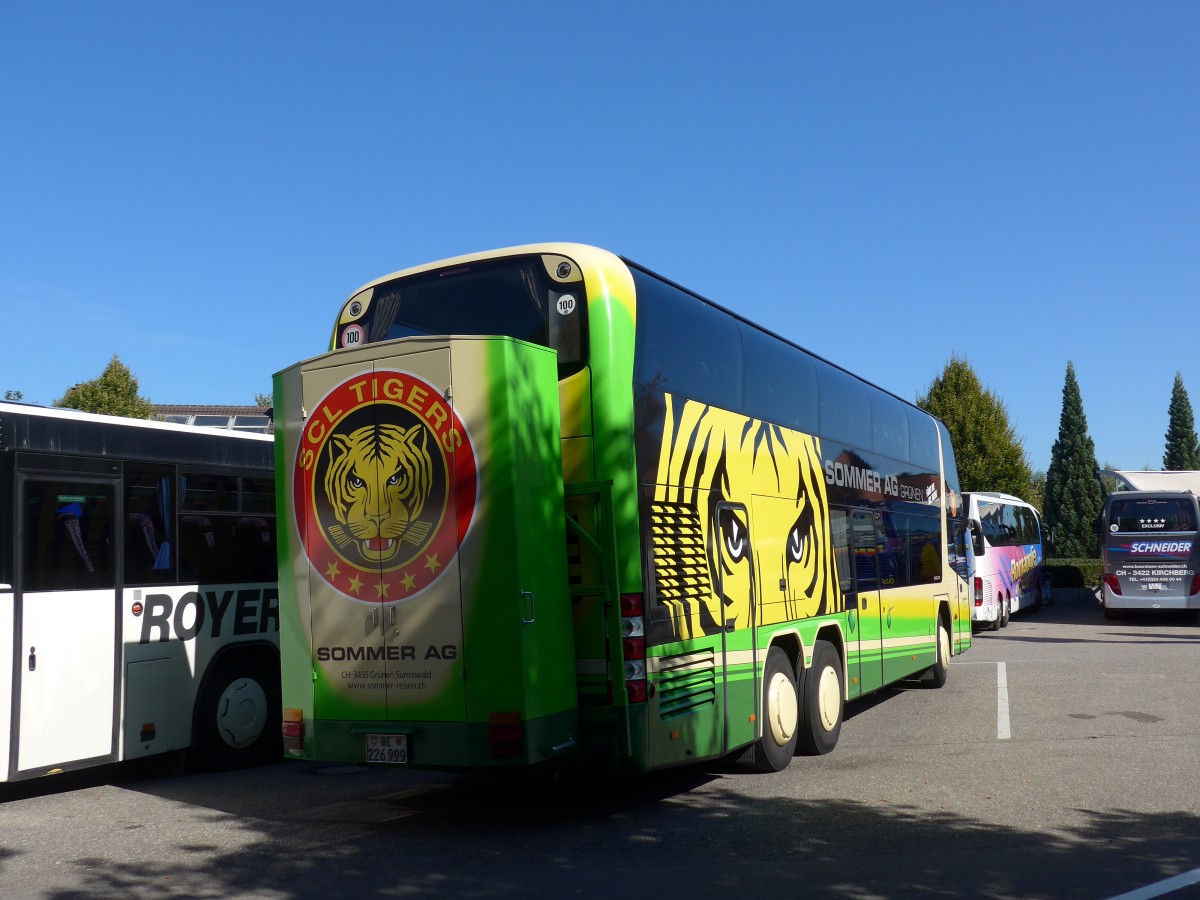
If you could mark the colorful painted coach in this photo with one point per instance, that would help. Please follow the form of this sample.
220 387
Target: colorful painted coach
543 506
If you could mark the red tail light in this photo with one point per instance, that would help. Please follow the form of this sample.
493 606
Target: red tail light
1113 584
1195 588
293 729
978 591
633 647
506 734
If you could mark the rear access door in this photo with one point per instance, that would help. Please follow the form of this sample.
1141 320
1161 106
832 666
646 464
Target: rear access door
376 492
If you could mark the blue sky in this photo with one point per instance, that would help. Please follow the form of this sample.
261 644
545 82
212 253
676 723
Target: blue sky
197 187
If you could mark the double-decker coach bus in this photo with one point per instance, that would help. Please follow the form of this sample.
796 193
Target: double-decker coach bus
544 505
138 603
1004 557
1151 552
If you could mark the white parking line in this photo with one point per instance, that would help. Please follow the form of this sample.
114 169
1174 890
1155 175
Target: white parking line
1162 887
1003 731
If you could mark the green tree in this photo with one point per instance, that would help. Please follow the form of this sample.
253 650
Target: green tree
1074 495
264 401
986 446
1037 491
1183 449
14 396
114 393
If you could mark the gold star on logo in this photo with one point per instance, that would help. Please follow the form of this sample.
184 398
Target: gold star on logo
432 564
409 581
355 584
332 571
382 589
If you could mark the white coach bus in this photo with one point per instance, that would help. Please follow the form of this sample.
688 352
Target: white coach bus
1005 559
138 601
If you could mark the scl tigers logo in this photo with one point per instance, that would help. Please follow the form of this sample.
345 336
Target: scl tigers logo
377 483
384 486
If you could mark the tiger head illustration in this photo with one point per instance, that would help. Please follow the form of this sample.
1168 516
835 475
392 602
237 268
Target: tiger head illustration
377 482
715 467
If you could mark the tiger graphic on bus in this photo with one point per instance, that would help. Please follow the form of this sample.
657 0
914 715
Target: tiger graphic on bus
722 465
377 484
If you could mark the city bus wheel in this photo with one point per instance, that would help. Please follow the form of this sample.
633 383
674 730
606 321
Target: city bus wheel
994 625
1005 611
780 714
821 702
238 716
940 670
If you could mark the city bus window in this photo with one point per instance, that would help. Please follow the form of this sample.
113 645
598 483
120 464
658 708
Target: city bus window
684 346
68 536
513 296
845 407
922 440
780 381
149 525
889 426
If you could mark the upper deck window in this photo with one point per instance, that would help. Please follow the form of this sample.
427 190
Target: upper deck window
539 299
1150 514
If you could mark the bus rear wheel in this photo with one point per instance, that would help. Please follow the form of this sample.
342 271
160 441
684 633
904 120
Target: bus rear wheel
1005 611
939 672
780 714
237 718
822 702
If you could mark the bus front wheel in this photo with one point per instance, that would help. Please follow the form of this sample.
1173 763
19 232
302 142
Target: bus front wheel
237 718
822 701
780 714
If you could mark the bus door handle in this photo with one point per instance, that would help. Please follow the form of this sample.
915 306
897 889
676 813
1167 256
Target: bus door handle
32 658
528 611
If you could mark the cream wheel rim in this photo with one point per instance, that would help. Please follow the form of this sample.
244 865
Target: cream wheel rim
829 698
782 712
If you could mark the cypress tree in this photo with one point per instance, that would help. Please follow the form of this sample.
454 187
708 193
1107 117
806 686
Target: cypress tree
1183 449
1074 496
987 449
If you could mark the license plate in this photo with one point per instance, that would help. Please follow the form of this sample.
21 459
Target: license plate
387 748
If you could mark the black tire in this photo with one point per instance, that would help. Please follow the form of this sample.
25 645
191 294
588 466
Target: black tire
780 714
1005 611
994 625
937 674
822 702
238 716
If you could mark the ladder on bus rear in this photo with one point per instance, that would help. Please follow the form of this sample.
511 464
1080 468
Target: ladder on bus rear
594 583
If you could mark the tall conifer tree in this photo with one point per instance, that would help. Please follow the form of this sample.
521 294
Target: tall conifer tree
1183 449
1074 496
987 449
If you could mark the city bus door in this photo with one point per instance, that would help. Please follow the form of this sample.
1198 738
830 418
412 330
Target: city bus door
65 700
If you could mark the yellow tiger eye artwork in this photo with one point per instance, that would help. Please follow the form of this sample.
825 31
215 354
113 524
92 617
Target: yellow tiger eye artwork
757 500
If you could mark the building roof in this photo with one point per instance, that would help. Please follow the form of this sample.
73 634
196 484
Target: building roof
1157 480
237 418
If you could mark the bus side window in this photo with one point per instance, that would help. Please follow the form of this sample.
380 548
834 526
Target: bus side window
69 537
149 525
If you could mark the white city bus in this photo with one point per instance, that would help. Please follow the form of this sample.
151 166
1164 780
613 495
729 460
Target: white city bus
138 600
1004 557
